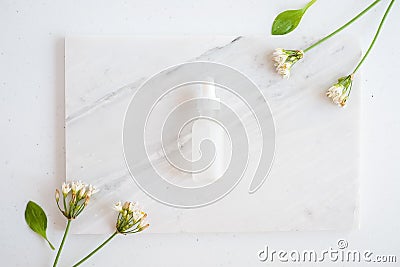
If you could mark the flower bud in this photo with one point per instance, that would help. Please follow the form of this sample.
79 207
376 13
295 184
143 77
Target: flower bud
82 192
143 227
340 91
57 195
126 206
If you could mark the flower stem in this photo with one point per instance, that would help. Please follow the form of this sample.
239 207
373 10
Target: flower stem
62 243
343 27
375 37
97 249
309 4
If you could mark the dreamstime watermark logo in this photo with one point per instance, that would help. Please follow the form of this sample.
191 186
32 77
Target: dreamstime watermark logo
341 253
192 131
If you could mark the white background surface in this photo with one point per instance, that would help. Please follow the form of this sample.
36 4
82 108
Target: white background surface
32 118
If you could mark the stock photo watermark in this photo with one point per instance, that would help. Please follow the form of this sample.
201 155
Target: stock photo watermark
338 254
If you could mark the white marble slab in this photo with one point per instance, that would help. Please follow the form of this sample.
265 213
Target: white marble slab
313 181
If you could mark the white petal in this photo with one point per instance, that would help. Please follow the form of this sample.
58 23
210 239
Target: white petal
118 206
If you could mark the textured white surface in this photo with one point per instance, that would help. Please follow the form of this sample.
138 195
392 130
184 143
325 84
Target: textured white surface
32 125
304 190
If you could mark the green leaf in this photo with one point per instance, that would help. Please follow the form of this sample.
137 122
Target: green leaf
37 220
288 20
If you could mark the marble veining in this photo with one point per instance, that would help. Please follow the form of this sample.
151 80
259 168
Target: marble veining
313 182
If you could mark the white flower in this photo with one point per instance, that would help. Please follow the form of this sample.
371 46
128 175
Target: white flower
279 56
91 190
65 188
82 192
335 93
76 196
340 91
131 218
137 215
133 206
76 186
285 59
136 211
284 70
118 206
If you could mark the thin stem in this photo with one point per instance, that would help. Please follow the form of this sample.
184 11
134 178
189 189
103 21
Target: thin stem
343 27
97 249
309 4
65 204
58 205
50 244
78 210
375 37
62 243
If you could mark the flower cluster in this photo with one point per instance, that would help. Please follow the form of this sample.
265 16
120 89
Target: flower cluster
131 219
340 91
285 59
76 196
